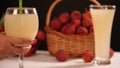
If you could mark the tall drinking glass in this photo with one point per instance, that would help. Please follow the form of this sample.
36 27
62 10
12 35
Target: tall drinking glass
23 25
102 17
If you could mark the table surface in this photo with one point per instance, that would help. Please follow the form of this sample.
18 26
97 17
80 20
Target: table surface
42 59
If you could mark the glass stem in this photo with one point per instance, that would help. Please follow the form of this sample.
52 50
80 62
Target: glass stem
21 61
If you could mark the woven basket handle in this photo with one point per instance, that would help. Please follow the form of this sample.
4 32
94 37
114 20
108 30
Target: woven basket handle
55 3
95 2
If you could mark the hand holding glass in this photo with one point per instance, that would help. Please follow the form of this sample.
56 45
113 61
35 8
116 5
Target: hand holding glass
23 25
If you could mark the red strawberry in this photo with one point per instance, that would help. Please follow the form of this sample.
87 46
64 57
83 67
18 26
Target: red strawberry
40 35
86 14
111 52
31 52
76 22
64 17
91 29
75 14
88 56
34 42
55 24
61 56
1 29
81 30
68 29
87 22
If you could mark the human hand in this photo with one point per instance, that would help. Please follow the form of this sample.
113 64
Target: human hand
10 46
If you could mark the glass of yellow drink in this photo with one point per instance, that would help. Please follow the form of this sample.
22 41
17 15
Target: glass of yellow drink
23 25
102 17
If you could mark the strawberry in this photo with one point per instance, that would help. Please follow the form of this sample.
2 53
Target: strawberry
64 17
75 14
88 56
40 35
56 24
30 52
86 14
111 52
68 29
82 30
76 22
1 29
91 29
87 22
61 55
34 42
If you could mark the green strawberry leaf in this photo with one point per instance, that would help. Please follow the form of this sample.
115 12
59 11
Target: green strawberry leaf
2 21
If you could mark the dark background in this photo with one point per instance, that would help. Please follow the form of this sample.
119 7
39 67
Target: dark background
42 8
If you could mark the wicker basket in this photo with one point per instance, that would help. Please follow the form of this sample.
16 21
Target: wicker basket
74 45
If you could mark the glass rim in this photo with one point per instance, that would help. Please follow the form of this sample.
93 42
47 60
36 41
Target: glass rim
15 10
103 6
23 8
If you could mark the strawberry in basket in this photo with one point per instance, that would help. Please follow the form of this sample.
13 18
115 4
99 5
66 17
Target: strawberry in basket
73 23
75 14
70 28
64 17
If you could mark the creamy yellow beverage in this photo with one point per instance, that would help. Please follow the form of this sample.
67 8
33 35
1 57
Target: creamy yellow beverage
102 21
25 25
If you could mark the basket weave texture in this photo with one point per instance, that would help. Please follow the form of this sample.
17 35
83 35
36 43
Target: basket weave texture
74 45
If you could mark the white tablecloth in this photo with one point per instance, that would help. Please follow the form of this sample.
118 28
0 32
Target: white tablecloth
42 59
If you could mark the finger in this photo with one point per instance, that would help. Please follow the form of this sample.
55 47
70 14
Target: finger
22 45
24 41
16 50
20 41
